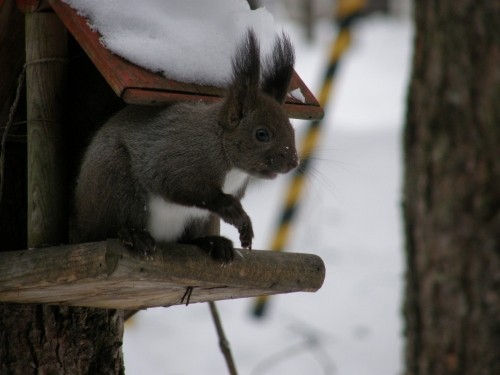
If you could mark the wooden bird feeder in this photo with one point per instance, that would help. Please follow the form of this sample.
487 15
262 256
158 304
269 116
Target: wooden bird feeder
106 274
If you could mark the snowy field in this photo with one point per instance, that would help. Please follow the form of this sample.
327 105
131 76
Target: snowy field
350 216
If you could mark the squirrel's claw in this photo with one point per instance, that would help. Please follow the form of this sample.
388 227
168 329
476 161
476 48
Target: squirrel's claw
246 235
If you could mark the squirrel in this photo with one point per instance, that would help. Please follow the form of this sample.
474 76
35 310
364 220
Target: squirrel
153 174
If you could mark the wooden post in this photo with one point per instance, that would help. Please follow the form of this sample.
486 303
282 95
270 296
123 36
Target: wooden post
46 48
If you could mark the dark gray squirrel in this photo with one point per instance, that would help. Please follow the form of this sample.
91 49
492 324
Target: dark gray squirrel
154 174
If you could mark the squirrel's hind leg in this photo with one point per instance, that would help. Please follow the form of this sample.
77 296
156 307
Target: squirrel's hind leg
140 241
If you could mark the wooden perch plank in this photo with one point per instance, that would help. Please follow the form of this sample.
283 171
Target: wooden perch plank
140 86
108 275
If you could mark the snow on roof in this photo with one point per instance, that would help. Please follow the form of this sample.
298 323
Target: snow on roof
186 40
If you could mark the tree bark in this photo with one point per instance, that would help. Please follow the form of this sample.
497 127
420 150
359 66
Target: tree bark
452 190
42 339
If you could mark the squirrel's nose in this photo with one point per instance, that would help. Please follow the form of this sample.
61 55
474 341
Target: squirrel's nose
291 163
284 162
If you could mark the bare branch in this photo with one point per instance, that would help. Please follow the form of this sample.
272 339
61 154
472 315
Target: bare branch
223 343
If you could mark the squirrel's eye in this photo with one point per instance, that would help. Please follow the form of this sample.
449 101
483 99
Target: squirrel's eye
262 135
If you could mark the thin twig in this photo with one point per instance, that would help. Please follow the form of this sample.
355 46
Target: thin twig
10 121
223 343
13 108
313 343
187 295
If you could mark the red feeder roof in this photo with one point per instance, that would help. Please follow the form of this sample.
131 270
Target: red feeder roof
136 85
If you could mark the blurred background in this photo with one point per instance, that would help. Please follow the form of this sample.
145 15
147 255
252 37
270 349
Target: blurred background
349 215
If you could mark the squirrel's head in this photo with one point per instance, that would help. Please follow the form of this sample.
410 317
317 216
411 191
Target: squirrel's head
258 137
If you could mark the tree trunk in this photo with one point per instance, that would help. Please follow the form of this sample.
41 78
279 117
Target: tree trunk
41 339
452 190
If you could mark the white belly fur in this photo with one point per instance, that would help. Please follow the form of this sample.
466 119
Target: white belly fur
168 220
234 181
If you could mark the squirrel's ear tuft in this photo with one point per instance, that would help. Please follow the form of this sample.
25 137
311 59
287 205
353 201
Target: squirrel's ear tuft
278 69
243 90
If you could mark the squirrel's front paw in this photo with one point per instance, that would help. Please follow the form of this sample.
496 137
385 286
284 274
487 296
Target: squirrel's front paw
219 248
246 235
138 240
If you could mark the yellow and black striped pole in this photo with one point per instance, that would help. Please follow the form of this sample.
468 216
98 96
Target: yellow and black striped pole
347 11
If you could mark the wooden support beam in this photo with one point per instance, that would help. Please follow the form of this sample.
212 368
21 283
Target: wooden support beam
108 275
46 48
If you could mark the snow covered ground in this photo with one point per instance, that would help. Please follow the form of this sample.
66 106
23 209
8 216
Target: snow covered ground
350 216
